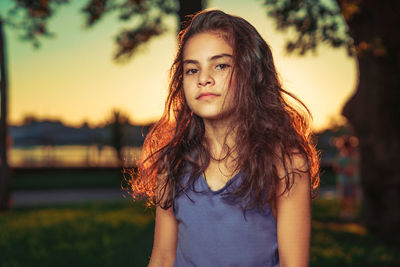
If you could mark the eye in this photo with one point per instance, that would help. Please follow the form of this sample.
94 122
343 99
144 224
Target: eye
221 66
191 71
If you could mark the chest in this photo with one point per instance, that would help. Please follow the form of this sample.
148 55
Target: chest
217 176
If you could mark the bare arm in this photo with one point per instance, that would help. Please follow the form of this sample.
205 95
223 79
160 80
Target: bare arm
294 218
165 239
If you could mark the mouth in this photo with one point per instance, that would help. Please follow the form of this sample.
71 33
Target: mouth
204 96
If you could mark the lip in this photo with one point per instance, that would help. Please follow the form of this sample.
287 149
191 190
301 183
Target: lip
206 95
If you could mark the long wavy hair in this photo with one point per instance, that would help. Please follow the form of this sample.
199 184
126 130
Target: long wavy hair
270 129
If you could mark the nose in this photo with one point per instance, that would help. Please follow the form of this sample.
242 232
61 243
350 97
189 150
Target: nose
205 78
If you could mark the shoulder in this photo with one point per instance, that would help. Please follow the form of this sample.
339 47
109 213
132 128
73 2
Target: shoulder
293 172
291 163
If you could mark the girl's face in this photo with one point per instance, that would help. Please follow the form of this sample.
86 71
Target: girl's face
207 71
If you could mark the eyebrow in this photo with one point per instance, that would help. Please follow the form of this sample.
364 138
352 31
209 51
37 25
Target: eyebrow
188 61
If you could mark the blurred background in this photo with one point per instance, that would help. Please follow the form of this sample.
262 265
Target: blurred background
83 81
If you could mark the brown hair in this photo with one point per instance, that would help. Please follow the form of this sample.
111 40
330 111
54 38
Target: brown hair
270 129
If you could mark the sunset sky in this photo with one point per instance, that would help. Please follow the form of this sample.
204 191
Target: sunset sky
73 76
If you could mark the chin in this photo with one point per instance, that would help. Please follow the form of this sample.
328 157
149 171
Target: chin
209 116
211 113
213 116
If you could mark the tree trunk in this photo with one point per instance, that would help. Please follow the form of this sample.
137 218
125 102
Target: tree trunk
4 169
189 8
375 114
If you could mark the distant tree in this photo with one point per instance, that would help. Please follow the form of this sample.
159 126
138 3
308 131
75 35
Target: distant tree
118 124
368 29
29 118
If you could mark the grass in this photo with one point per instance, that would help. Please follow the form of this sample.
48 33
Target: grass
121 234
339 243
102 234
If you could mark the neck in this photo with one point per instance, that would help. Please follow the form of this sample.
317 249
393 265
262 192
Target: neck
220 138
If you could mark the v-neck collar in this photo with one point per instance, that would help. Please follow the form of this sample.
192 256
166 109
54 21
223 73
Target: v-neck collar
230 181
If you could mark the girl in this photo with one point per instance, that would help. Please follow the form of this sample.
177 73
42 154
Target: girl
230 166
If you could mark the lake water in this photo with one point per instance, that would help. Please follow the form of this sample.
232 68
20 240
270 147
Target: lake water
71 156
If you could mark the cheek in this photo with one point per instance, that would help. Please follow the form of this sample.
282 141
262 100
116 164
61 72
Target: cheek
186 85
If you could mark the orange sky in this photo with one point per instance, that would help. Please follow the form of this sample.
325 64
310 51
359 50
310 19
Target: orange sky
73 77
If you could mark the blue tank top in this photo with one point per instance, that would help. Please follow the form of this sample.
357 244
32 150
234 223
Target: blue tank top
214 232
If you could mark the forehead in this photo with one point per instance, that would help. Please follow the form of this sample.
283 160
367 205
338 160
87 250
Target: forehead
205 45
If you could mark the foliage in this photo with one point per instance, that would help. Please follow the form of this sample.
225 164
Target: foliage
30 18
146 17
314 22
